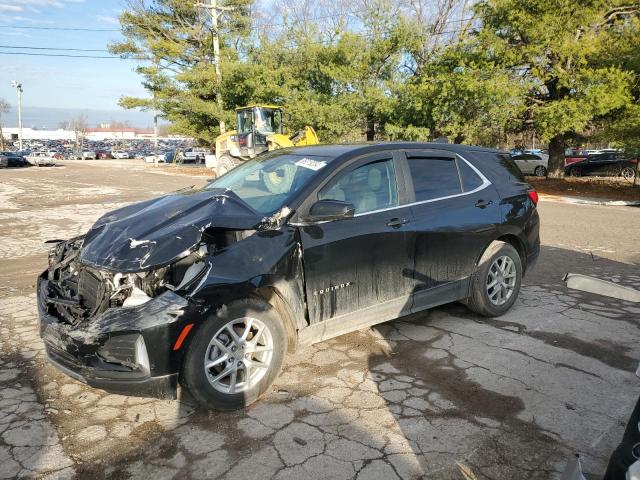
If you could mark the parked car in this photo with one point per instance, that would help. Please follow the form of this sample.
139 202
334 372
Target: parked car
193 155
121 154
608 164
42 159
104 154
12 159
532 164
573 155
88 155
159 158
296 246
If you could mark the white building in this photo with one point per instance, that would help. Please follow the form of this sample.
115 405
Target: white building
100 134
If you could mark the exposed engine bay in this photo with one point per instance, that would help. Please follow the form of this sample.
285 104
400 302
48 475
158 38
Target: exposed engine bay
79 292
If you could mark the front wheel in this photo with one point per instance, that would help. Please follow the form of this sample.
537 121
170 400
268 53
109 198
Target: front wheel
628 173
575 172
540 171
226 163
236 355
495 284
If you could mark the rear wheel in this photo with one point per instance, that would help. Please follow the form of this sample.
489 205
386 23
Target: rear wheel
575 172
496 281
236 355
540 171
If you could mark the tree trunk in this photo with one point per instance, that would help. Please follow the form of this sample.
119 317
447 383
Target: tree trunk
556 157
1 139
371 128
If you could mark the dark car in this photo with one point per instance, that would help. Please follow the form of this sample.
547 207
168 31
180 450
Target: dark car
12 159
608 164
215 285
103 155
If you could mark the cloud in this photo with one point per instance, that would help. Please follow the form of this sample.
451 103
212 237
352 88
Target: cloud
22 5
107 19
21 19
4 7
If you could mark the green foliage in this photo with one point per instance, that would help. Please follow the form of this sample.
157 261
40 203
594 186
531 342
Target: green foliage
559 67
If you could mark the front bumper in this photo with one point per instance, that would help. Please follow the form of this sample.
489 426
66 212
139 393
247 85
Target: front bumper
111 351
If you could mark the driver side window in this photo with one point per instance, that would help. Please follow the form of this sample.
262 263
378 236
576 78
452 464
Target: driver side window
369 187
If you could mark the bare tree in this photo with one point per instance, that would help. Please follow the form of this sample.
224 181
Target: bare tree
80 126
4 108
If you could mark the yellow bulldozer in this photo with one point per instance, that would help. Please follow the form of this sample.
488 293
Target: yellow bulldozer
259 129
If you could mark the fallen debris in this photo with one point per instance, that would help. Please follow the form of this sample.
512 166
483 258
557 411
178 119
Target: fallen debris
589 284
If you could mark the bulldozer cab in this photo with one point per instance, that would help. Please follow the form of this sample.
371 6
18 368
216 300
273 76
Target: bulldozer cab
255 124
259 128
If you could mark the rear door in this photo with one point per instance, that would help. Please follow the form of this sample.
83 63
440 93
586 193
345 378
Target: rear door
455 212
358 263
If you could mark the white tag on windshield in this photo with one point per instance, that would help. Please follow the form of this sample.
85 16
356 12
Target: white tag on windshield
311 164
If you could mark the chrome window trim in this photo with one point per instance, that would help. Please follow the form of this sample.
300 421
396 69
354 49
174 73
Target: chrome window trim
485 184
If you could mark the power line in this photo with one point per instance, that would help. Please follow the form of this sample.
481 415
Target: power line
55 48
64 55
72 29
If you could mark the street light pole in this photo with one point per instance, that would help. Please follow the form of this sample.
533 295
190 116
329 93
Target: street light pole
18 86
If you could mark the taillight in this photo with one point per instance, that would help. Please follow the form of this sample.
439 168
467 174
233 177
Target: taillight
533 195
633 160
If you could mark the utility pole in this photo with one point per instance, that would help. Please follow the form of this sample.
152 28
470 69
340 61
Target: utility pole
18 86
215 11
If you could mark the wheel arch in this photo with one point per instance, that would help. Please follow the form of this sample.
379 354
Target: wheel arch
271 295
516 243
512 240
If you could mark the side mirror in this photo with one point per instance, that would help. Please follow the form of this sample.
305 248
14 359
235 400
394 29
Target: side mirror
330 210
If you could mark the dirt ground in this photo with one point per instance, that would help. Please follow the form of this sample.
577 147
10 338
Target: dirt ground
420 397
605 188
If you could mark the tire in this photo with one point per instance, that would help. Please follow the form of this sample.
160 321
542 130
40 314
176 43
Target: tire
540 171
482 300
575 172
211 387
628 173
227 163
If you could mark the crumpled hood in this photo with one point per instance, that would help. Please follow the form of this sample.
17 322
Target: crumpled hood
157 232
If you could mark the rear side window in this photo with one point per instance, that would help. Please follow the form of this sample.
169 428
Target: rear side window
470 179
434 177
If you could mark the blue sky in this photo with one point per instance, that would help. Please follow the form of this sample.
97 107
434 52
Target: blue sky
57 82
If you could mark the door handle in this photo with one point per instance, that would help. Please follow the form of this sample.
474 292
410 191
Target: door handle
483 203
397 222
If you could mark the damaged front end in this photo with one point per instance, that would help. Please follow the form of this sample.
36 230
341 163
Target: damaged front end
97 325
115 302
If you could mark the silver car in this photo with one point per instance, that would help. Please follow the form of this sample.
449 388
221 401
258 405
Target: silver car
532 163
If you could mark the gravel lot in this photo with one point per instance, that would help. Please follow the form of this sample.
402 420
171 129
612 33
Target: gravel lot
424 397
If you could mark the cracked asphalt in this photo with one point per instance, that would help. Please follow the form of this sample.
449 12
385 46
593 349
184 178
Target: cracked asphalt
428 396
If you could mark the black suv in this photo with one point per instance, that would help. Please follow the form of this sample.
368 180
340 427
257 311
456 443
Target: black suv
213 286
606 164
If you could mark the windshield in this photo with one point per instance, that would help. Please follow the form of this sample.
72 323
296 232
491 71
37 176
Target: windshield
269 181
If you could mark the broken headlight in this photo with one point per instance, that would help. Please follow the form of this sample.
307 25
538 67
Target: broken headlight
133 289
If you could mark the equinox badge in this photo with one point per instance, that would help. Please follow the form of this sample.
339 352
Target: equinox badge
332 288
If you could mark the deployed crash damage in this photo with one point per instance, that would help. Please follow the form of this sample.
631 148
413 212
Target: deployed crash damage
136 276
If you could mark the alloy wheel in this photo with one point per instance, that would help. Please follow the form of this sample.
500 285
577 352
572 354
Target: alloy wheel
239 355
540 171
628 173
501 280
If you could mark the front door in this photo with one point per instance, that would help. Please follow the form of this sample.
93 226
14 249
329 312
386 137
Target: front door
355 264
